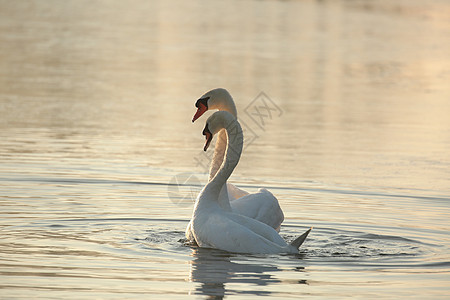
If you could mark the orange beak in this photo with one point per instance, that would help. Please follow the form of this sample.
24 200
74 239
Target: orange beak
200 111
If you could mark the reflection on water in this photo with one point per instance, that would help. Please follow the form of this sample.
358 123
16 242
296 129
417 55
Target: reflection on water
96 101
214 268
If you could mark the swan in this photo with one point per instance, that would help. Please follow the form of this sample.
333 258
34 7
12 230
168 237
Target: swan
215 227
262 205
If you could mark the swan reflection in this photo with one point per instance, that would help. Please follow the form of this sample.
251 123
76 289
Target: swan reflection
214 268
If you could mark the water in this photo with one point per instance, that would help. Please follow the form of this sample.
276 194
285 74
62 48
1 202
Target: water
96 101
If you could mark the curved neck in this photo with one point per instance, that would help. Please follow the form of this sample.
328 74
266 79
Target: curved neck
219 153
229 106
233 152
226 104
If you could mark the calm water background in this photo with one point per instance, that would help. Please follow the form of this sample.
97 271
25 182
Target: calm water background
96 101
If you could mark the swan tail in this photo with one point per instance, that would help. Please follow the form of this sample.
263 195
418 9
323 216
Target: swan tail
299 241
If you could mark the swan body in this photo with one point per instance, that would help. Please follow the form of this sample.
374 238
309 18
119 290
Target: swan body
212 226
262 205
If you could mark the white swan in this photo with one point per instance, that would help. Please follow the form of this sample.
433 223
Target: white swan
215 227
262 205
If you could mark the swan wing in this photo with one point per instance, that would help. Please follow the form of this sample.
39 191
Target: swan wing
261 206
222 232
234 192
259 228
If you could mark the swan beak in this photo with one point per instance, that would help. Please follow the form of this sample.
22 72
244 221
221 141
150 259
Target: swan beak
200 111
208 135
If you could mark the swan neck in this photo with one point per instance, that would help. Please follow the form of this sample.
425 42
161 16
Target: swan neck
232 155
224 104
219 153
229 106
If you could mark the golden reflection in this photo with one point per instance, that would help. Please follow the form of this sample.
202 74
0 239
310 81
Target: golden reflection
213 269
362 94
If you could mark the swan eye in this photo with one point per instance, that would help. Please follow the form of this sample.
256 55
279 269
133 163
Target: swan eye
206 130
202 101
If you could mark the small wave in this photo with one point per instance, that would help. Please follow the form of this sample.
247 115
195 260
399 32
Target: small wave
336 191
331 243
372 236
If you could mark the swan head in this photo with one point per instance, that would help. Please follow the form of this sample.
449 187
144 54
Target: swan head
218 98
216 122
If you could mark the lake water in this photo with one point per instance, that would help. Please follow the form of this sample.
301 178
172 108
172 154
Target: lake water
345 106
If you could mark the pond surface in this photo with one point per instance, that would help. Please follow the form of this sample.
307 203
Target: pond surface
345 107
